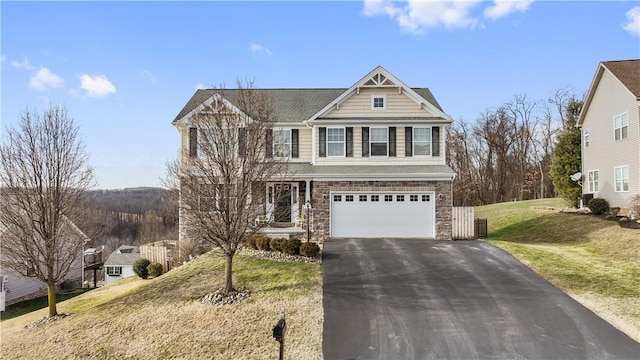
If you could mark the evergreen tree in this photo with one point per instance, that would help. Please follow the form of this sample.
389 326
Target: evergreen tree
567 157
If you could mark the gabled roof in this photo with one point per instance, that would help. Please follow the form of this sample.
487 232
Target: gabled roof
381 78
124 255
626 71
298 105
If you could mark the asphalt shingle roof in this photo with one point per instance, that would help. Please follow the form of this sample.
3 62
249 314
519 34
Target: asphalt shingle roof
628 72
302 169
291 105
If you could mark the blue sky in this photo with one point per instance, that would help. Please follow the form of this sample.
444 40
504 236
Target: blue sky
125 69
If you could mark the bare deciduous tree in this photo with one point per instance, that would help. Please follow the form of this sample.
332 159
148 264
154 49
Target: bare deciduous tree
220 182
44 174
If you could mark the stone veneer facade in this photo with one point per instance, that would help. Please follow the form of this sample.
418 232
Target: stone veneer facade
320 201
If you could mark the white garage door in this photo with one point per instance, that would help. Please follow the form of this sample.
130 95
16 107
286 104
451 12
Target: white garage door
383 214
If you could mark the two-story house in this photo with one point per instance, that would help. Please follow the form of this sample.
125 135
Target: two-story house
369 159
610 125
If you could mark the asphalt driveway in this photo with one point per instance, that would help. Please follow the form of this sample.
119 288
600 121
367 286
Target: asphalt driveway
422 299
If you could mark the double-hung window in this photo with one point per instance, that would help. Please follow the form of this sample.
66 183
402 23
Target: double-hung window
421 141
621 177
379 141
621 126
335 142
594 186
282 143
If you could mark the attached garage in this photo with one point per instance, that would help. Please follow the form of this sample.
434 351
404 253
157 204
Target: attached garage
382 214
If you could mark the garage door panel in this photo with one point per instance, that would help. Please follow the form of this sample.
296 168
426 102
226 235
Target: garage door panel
382 218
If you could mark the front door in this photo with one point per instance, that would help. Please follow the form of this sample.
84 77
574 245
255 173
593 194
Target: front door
282 199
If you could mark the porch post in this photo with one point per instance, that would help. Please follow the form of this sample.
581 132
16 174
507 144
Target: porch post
307 192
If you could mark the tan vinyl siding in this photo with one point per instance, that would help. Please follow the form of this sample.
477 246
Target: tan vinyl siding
359 105
399 159
304 145
610 99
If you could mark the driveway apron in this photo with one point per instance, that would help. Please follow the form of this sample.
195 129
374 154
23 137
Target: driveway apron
427 299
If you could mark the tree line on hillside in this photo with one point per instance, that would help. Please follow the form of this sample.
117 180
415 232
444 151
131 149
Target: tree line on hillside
508 153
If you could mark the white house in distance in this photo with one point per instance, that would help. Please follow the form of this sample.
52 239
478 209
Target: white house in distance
610 125
370 159
18 287
119 265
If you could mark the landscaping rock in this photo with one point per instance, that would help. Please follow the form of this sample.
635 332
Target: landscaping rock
278 256
46 320
219 298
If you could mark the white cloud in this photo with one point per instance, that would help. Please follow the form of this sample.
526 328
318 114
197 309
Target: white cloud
257 48
44 79
96 86
633 21
503 8
416 16
148 75
199 86
24 64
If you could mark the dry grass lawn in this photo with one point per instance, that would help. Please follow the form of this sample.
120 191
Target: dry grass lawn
162 318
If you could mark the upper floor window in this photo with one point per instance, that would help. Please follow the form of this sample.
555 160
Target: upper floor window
378 102
587 138
282 143
594 186
335 142
421 141
621 177
620 126
379 140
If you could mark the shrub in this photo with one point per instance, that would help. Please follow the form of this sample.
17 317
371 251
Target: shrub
250 242
598 206
309 249
140 267
291 246
155 269
263 243
275 244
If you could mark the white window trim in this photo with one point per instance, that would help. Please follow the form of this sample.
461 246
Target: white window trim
413 141
273 146
622 178
624 123
384 102
344 142
590 187
378 142
587 138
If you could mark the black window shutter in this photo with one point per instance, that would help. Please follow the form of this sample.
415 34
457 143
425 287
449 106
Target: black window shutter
349 142
193 142
323 142
294 143
242 138
408 141
435 141
392 141
365 141
269 143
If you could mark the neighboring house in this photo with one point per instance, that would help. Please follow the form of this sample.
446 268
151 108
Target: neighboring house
610 127
119 265
19 287
370 159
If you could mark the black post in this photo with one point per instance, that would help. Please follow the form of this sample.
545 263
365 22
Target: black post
308 206
279 331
